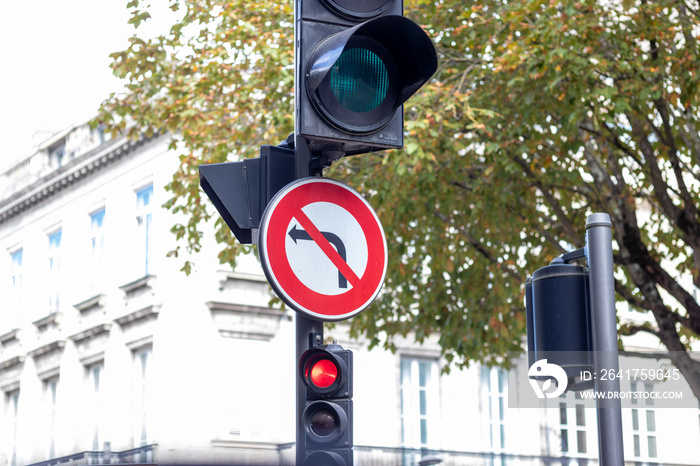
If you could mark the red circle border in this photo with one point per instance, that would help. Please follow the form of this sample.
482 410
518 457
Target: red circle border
273 232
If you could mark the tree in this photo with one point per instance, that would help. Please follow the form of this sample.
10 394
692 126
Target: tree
540 113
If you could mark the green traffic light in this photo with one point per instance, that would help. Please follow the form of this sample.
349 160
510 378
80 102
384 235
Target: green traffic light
359 80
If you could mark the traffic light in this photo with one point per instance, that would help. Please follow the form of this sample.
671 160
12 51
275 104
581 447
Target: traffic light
357 62
559 320
241 190
326 372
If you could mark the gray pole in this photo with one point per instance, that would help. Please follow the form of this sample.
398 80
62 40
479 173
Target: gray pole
604 333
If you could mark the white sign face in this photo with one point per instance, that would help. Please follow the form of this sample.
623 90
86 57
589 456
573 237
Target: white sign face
311 264
323 249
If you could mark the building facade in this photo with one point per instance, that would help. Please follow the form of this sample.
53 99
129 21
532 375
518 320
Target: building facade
109 354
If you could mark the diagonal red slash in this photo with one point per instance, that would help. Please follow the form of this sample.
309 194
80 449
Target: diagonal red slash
327 248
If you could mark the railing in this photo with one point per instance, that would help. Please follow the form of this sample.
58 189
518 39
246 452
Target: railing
363 456
136 456
387 456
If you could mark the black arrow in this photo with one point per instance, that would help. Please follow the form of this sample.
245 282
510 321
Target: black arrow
297 234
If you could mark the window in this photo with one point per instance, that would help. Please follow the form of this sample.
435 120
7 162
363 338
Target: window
494 381
564 432
56 154
96 405
16 299
581 446
651 445
651 421
144 199
11 408
97 240
573 426
581 440
142 364
649 401
54 270
50 390
644 424
101 132
419 403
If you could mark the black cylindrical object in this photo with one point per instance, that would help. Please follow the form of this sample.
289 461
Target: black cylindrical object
561 317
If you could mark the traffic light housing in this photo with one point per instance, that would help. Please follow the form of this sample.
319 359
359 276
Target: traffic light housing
357 62
558 317
241 190
326 372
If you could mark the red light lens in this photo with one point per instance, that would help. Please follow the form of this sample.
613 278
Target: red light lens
323 373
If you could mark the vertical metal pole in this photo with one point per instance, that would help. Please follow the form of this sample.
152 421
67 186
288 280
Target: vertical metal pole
305 327
604 336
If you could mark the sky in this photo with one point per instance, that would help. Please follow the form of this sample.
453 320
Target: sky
54 66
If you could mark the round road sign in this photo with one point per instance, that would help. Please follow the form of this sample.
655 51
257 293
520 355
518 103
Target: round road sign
323 249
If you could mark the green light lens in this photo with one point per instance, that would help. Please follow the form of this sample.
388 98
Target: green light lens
359 80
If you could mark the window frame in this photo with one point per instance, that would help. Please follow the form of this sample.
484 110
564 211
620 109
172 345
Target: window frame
419 393
144 224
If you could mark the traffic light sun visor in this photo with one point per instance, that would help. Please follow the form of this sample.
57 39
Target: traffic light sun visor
359 77
406 42
359 92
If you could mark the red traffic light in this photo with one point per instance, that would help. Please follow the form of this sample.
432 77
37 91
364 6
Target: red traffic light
325 372
326 420
322 373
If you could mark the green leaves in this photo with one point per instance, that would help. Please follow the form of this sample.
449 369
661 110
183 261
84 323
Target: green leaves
212 83
540 113
524 131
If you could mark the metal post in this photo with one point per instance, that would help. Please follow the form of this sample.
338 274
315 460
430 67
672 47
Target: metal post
305 327
604 336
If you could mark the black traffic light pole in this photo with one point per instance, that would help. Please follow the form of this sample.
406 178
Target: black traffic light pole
604 337
306 328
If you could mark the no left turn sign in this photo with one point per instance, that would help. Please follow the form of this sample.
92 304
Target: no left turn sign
323 249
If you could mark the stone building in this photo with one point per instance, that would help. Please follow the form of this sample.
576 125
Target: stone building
109 354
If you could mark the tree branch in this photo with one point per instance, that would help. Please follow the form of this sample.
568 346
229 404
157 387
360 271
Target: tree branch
553 203
672 152
478 246
629 329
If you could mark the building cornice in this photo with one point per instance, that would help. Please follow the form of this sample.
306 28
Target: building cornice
64 177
